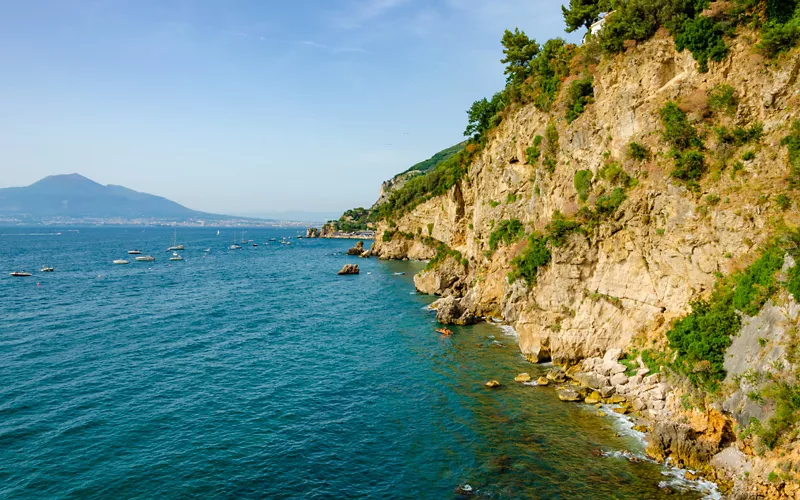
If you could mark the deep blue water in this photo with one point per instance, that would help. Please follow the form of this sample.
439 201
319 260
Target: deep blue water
260 373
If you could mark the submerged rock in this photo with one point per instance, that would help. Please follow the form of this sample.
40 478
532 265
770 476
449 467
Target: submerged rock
542 381
592 398
349 269
492 384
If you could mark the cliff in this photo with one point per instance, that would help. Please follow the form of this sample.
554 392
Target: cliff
621 280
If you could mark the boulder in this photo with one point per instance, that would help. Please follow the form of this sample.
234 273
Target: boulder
492 384
543 381
556 375
616 399
349 269
593 380
622 410
357 250
366 254
607 391
638 405
601 413
522 377
450 311
612 354
592 398
569 395
619 379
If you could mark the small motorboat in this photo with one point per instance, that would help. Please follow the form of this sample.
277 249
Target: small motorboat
20 274
445 331
255 244
146 258
399 274
176 256
272 239
134 252
235 247
119 262
207 250
46 269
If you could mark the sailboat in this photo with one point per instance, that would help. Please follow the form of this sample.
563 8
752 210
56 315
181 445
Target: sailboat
175 245
235 246
176 256
217 232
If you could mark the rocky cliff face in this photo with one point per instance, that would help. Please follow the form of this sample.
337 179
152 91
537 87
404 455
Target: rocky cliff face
625 281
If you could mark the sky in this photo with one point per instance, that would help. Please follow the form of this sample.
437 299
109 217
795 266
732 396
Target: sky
247 106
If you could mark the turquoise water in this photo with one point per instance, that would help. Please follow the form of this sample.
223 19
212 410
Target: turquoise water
259 373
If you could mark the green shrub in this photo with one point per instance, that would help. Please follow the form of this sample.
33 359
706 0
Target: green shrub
609 203
703 37
739 136
613 173
430 229
388 235
511 198
753 286
792 142
583 183
485 115
560 228
533 153
783 201
786 397
689 165
722 99
749 156
677 129
638 152
506 232
527 264
494 204
793 282
580 94
712 199
777 38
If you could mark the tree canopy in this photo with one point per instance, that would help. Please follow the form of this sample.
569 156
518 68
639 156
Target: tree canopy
583 13
519 51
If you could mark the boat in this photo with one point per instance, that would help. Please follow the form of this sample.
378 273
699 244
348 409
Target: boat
176 256
20 274
145 258
272 239
299 237
46 269
444 331
234 246
217 232
134 252
120 262
255 244
207 250
175 245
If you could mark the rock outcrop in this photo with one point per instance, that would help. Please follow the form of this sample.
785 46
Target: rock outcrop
451 311
356 250
312 232
349 269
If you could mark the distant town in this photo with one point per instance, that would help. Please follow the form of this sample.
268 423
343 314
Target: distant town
121 221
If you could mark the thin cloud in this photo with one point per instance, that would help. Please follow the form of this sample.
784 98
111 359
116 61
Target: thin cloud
365 11
335 50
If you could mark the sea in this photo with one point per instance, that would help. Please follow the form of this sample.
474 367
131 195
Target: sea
260 373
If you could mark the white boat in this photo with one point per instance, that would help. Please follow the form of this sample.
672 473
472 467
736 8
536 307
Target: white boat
145 258
20 274
207 250
120 261
175 245
234 246
176 256
134 252
217 232
46 269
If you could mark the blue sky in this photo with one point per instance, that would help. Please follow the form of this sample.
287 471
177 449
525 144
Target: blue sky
246 106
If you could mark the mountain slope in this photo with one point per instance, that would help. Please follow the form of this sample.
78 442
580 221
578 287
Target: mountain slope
73 195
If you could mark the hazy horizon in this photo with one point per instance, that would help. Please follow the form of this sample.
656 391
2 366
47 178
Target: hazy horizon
247 108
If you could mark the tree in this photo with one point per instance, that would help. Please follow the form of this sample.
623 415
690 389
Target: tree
583 13
484 115
519 51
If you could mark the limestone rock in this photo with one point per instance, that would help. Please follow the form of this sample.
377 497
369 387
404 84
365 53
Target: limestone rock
556 375
592 380
522 377
568 395
450 311
349 269
312 232
619 379
592 398
356 250
492 384
543 381
607 391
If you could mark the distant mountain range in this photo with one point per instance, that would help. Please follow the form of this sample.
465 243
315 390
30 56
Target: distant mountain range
75 196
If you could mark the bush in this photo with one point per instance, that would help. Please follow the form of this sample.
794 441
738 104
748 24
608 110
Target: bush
739 136
792 142
689 165
583 183
560 228
484 115
786 397
613 173
712 199
609 203
783 202
507 232
580 94
638 152
777 38
533 153
703 37
722 99
677 129
527 264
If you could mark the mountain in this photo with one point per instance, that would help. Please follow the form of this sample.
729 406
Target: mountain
75 196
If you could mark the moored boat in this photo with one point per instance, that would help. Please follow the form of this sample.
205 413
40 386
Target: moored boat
145 258
176 256
175 245
47 269
20 274
134 252
120 262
